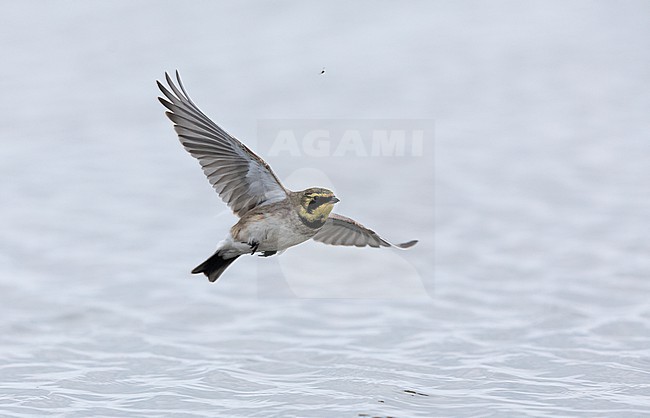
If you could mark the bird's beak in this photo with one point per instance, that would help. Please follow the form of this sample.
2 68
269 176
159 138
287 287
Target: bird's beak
334 199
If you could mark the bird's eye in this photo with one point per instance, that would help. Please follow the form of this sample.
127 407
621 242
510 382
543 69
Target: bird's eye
315 199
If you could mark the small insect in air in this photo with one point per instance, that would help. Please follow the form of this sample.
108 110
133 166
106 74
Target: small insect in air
322 71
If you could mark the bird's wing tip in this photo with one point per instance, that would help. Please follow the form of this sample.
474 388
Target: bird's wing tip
406 245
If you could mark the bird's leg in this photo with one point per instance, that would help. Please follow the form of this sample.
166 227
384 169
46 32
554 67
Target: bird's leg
254 245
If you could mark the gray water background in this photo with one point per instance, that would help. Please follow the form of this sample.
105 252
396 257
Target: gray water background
528 294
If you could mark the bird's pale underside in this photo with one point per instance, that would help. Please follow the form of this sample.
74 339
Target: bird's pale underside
272 218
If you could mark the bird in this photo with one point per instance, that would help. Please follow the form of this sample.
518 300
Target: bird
272 218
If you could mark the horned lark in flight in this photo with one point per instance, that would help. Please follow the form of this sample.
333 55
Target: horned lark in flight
272 218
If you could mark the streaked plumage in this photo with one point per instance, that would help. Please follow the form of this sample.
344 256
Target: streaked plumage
272 218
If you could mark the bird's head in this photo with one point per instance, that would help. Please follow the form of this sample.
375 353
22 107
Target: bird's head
316 204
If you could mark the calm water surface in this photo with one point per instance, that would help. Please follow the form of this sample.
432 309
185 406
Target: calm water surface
528 294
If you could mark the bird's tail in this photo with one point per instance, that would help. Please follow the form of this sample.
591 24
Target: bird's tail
214 266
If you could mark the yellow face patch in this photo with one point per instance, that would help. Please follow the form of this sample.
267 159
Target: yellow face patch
323 211
316 206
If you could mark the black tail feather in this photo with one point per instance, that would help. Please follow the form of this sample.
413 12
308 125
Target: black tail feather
214 266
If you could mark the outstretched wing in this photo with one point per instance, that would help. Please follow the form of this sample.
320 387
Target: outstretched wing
339 230
242 179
